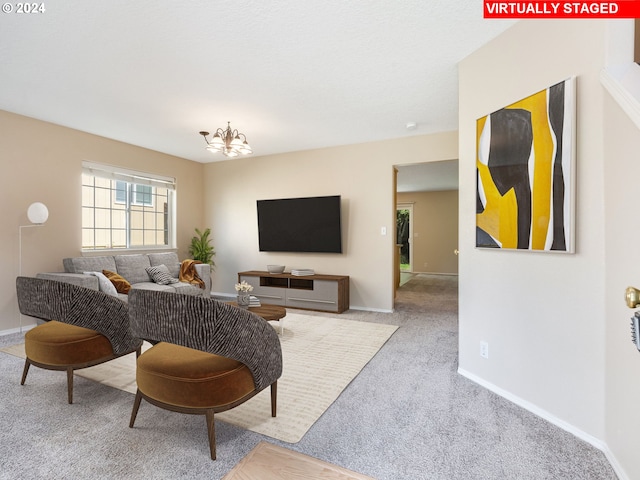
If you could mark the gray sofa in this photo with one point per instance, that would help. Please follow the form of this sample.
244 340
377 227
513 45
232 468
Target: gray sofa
80 271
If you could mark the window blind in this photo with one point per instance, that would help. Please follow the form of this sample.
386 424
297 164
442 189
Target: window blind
117 173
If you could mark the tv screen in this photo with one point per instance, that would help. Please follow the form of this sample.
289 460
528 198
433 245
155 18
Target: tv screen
310 224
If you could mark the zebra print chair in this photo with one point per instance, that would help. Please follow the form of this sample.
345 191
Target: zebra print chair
84 327
208 356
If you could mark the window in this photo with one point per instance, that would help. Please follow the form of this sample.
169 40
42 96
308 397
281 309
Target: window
123 209
139 194
142 194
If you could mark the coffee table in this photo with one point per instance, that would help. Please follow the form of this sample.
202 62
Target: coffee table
269 313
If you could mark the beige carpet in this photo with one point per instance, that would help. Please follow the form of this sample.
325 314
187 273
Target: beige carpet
321 356
270 462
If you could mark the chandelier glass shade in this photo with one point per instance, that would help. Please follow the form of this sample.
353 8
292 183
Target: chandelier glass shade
230 143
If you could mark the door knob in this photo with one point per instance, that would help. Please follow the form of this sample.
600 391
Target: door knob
456 251
632 297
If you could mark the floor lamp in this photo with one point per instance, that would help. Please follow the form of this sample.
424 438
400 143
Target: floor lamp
37 213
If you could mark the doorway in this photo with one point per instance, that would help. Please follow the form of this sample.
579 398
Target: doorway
404 232
426 235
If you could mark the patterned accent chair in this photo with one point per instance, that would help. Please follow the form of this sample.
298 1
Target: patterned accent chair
84 327
208 356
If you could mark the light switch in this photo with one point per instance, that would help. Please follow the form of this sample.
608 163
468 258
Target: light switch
383 230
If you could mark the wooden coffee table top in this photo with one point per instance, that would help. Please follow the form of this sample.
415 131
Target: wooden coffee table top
268 312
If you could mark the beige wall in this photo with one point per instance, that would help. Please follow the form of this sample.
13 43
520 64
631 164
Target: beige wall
541 313
43 162
361 174
435 230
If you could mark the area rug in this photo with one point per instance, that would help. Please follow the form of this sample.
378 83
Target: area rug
321 356
270 462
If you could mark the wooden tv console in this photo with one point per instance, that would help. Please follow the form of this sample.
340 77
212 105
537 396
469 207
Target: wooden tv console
327 293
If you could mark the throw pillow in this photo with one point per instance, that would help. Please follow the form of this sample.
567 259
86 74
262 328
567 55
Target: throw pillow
104 284
160 274
122 286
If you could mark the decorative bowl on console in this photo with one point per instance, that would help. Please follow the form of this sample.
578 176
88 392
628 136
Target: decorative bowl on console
275 268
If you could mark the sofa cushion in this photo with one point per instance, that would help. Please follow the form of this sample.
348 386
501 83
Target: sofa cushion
156 287
133 268
89 264
170 259
160 275
104 284
180 287
121 284
188 289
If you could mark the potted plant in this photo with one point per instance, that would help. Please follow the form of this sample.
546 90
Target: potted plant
201 248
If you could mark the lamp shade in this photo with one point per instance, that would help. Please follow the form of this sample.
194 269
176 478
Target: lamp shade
38 213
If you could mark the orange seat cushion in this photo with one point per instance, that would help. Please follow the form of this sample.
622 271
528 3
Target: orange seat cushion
185 377
60 344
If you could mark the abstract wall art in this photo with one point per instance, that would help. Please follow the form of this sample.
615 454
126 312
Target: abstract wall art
525 169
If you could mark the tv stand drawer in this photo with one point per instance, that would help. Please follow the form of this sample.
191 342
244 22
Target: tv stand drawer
317 290
309 304
270 299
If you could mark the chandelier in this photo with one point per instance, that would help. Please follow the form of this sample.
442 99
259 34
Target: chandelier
228 142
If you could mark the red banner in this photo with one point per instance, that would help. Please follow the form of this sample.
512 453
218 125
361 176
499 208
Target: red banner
561 9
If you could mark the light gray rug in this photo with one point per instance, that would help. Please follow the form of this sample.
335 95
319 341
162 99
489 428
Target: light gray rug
407 415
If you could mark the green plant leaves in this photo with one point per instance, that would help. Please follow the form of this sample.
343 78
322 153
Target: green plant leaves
201 248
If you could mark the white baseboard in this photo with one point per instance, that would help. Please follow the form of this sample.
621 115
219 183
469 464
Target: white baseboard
599 444
225 295
416 272
366 309
590 439
10 331
22 329
620 472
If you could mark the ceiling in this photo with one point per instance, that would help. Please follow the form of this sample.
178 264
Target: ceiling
290 75
428 177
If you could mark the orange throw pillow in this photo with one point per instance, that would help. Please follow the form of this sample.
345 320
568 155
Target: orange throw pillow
122 286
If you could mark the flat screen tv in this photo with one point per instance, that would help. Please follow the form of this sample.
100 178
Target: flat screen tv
310 224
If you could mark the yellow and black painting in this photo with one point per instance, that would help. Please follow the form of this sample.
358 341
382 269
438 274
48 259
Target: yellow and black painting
524 169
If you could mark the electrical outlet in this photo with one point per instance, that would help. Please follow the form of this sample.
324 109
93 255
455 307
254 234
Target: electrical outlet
484 349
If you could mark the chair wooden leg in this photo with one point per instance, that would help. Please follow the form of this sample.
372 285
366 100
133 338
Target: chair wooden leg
136 406
274 397
27 364
211 430
70 384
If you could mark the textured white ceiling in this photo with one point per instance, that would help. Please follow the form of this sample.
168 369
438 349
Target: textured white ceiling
434 176
291 75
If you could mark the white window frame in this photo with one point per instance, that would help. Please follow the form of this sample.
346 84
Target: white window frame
133 178
132 194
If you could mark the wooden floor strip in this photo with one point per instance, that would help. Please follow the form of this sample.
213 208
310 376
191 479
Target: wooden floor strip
271 462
